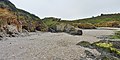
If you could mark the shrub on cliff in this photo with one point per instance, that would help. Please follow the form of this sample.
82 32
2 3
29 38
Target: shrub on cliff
108 24
86 26
31 21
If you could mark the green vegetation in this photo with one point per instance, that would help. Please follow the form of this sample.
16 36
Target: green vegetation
109 50
7 4
100 19
116 35
108 24
86 26
105 20
109 47
30 21
84 44
105 45
51 21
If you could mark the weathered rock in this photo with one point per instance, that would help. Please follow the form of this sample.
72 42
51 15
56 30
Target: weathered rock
26 33
79 32
66 28
76 32
12 29
60 27
89 54
51 30
1 37
69 28
107 52
84 44
106 57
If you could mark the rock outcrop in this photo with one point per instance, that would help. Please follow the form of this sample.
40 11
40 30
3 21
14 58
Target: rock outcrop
13 20
62 27
10 15
109 50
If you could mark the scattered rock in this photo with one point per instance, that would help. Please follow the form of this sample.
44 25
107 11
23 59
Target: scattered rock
26 33
89 54
21 47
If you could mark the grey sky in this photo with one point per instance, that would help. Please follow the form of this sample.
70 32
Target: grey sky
68 9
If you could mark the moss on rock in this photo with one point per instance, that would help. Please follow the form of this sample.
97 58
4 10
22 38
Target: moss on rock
108 50
107 47
84 44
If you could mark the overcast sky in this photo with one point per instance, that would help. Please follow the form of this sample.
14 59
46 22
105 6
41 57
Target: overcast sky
68 9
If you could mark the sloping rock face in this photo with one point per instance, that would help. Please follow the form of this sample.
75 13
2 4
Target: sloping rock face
62 27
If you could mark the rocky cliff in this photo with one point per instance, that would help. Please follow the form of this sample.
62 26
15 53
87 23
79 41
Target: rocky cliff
10 16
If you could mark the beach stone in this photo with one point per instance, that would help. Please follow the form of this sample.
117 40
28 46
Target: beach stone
89 54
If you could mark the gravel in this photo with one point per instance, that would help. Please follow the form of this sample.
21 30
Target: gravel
48 46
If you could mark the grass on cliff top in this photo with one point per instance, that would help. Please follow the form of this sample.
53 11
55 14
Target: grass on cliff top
101 18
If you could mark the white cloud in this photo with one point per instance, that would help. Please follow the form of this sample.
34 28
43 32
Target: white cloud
68 9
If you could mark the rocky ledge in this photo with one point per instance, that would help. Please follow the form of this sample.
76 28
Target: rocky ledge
110 50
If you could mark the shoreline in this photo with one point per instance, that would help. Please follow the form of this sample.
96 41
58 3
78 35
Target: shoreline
48 46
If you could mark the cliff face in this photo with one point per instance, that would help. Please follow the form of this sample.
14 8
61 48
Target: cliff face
8 18
10 15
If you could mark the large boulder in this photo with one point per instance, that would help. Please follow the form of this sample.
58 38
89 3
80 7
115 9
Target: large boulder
76 32
25 32
51 30
57 28
69 28
62 27
12 30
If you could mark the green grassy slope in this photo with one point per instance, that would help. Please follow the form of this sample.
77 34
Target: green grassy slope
99 19
104 20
